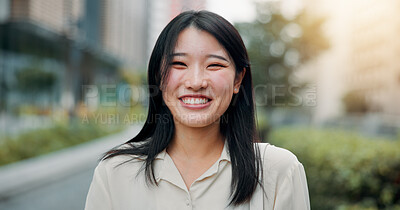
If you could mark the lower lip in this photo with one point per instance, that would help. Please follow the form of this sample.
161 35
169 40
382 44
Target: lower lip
195 106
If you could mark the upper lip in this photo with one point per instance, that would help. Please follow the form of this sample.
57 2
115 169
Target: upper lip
195 96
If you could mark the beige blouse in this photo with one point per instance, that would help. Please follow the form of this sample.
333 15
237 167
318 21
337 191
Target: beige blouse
122 188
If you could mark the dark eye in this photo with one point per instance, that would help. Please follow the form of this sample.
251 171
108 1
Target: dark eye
216 66
177 63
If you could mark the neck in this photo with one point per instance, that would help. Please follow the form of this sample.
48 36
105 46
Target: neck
189 142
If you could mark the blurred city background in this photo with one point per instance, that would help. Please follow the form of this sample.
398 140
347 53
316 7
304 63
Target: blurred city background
73 85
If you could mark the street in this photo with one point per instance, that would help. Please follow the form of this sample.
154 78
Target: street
67 194
57 181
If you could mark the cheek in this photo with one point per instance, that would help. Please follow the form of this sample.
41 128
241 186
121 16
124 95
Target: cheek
173 83
224 84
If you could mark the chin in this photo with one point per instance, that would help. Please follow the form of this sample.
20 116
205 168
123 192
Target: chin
197 121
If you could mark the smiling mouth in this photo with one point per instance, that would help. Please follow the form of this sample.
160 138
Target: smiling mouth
195 100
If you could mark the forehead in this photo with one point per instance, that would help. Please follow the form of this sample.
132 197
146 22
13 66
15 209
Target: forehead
198 42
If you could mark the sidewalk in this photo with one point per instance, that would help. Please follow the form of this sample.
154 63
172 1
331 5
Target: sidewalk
29 174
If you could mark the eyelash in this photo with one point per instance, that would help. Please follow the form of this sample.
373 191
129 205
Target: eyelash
178 63
217 65
211 65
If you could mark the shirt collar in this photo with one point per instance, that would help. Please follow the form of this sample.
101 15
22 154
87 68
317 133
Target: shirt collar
225 153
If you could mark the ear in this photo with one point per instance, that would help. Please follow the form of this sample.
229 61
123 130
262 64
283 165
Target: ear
238 81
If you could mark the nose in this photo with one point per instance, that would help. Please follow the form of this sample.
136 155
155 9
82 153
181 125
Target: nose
195 79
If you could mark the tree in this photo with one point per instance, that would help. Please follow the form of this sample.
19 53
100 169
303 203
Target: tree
33 81
277 46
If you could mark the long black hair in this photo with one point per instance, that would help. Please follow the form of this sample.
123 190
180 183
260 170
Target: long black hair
238 124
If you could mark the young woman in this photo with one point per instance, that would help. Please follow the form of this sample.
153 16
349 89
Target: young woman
197 148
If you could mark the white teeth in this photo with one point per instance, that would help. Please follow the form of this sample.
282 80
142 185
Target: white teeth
187 100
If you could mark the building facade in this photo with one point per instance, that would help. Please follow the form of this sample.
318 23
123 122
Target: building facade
125 31
61 39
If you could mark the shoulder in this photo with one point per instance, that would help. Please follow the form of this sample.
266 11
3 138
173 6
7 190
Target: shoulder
284 179
121 162
277 160
118 164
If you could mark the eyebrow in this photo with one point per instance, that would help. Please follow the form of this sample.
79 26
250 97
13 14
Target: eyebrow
208 56
217 56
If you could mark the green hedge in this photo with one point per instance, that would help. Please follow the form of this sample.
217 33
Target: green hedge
345 170
38 142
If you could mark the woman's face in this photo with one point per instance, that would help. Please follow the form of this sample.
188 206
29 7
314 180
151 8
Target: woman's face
201 81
